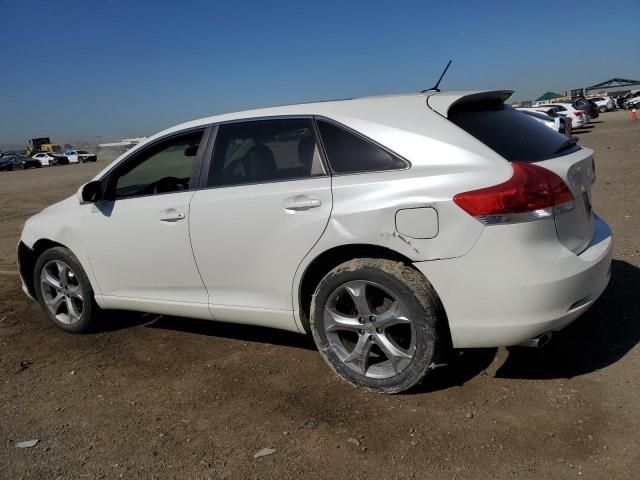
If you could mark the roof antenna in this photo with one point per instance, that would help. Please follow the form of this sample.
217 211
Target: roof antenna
435 87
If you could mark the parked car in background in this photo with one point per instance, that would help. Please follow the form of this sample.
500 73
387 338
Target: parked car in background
340 220
604 104
622 100
48 159
547 110
80 156
558 123
18 162
632 102
579 118
588 106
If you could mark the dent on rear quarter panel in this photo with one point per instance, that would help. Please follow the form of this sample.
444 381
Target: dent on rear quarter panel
365 208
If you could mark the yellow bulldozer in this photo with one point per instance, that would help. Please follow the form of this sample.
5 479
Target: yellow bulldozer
42 144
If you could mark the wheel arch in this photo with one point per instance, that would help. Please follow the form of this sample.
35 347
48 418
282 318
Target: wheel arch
28 256
331 258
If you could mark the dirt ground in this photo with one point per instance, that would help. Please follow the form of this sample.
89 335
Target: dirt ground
149 397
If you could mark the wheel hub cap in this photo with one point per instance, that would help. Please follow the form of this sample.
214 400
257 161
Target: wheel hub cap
369 329
61 292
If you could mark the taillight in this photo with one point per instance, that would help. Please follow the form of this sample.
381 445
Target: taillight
577 114
532 193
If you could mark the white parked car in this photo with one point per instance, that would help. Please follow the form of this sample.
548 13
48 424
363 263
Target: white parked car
389 228
80 156
632 102
579 118
557 122
604 103
47 159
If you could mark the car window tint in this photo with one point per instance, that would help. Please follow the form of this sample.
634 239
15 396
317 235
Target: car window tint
514 136
348 152
264 151
162 168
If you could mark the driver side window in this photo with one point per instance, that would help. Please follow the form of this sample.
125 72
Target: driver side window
165 167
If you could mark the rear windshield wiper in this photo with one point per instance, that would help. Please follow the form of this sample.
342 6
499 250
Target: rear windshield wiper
569 142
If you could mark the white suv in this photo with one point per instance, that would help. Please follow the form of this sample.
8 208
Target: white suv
390 228
579 118
604 103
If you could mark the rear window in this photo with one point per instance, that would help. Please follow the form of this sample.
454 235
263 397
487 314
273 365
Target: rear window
512 134
351 153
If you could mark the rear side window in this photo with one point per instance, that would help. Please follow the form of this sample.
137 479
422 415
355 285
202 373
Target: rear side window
511 134
265 151
350 153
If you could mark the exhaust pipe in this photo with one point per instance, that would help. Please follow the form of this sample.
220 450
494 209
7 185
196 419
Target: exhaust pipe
538 342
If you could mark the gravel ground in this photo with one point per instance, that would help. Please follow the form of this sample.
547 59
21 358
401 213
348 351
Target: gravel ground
159 397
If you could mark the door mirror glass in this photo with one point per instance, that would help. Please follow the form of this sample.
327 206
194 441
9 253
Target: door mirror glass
92 192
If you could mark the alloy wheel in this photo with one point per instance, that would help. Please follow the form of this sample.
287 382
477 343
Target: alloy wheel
369 329
62 292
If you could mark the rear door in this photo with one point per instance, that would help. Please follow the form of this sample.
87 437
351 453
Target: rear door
265 202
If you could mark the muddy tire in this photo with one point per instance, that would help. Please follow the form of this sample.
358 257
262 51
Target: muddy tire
376 323
64 291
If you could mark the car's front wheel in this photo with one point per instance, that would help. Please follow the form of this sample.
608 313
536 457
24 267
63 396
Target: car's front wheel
63 290
375 322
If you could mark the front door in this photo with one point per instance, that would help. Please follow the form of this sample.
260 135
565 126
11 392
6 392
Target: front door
138 239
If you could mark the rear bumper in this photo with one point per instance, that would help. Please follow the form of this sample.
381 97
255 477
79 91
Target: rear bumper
517 282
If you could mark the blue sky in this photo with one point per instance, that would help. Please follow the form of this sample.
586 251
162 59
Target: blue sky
124 68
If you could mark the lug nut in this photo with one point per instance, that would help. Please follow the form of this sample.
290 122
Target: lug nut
372 318
379 330
360 332
361 319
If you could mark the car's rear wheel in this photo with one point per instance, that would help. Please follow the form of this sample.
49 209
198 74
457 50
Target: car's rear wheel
63 290
602 109
375 322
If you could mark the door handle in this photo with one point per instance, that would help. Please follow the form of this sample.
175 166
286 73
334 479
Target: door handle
301 203
171 215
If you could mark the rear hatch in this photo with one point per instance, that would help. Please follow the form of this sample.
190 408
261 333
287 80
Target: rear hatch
519 138
575 227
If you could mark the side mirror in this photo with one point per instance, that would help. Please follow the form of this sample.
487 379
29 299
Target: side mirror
92 192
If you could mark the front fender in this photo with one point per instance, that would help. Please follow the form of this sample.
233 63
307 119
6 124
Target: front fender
65 224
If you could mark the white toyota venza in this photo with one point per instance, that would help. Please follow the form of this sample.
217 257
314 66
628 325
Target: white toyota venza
390 228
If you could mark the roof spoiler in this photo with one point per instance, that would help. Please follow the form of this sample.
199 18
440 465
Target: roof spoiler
443 102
